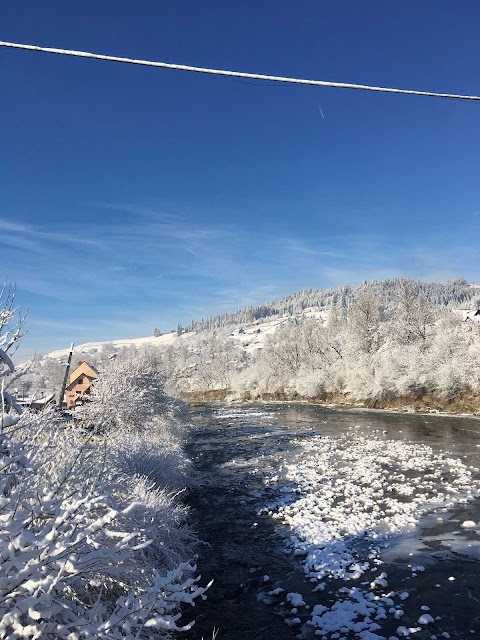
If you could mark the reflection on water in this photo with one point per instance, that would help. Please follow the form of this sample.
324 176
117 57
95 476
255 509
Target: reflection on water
458 435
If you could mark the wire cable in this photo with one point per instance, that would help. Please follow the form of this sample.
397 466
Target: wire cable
237 74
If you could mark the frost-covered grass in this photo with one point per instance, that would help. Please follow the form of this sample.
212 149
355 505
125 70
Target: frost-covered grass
346 500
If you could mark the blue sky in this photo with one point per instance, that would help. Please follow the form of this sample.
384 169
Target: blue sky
135 198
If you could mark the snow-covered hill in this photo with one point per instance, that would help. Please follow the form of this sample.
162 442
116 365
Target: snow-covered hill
249 336
95 347
250 325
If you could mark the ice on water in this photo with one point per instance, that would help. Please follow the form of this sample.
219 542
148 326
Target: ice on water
348 500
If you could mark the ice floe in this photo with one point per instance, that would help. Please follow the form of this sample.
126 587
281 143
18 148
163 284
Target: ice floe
348 499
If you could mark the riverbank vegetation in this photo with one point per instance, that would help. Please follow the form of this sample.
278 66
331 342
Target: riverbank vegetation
378 347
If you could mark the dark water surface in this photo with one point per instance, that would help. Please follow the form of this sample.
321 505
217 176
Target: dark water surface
234 449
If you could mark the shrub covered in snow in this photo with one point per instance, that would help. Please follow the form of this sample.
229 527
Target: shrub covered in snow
88 548
143 427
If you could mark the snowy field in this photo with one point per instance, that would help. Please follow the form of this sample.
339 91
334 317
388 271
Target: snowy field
94 347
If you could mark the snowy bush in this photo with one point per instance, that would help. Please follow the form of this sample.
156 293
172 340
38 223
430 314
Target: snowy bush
87 550
130 393
69 569
143 428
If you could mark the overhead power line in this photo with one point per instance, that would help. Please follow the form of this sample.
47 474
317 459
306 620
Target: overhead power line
236 74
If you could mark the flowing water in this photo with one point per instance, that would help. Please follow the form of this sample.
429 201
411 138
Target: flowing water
277 494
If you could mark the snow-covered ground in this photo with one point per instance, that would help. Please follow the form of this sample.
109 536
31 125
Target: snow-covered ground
94 347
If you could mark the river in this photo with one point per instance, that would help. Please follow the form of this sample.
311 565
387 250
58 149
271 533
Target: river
321 522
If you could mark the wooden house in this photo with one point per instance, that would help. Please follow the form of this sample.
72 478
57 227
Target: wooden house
80 384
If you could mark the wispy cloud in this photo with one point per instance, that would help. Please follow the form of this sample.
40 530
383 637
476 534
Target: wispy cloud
135 209
59 325
13 230
241 297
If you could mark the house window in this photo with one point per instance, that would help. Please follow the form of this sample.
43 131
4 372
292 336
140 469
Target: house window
80 381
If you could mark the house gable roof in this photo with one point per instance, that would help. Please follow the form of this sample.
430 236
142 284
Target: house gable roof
83 368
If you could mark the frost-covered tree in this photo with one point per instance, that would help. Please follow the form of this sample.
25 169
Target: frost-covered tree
207 361
11 331
413 315
365 315
44 375
475 303
216 361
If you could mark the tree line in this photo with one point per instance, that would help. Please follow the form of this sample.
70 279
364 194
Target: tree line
382 343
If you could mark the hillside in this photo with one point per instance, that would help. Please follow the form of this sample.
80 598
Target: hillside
95 347
391 343
457 292
257 322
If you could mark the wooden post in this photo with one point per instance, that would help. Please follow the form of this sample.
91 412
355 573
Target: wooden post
65 379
